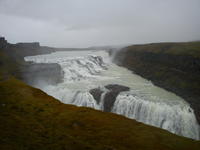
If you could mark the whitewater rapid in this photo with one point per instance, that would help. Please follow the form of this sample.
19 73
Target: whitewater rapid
145 102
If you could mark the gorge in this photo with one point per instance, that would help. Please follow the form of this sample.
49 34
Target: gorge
91 79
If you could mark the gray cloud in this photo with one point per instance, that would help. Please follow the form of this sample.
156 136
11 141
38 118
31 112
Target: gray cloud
83 23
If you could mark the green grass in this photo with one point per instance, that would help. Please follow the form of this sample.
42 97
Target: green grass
30 119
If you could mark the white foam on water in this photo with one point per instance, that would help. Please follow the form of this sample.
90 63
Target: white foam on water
145 102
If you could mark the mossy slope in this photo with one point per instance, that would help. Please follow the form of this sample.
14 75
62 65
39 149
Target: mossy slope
30 119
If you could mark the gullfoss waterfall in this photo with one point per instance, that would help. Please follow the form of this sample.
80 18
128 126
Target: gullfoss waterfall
143 101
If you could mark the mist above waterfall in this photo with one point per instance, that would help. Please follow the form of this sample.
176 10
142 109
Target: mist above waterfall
86 70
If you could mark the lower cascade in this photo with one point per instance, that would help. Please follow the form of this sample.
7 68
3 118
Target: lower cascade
92 80
174 118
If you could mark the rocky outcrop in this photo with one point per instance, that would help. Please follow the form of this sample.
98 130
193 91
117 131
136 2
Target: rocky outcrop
12 58
111 92
175 67
20 50
111 96
96 93
3 42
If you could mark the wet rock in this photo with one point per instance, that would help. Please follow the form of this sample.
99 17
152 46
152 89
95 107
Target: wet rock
96 93
112 92
116 87
111 96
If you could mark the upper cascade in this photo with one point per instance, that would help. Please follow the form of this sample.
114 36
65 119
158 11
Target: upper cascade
75 69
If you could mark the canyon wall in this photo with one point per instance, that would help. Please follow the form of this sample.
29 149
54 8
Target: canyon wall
173 66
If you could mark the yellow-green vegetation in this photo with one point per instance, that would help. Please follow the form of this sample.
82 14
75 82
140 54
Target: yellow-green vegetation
32 120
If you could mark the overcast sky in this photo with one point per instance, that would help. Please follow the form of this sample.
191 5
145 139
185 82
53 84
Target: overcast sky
84 23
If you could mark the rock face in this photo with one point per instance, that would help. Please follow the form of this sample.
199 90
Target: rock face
96 93
37 74
20 50
12 57
173 66
3 42
110 94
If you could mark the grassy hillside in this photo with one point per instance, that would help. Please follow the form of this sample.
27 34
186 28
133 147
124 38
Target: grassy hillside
30 119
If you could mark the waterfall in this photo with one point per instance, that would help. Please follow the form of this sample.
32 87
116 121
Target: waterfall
75 69
145 102
84 99
176 118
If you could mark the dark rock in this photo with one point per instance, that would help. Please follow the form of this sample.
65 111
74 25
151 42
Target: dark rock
110 96
96 93
116 87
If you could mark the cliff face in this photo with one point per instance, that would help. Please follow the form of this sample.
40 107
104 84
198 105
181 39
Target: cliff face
3 42
173 66
12 57
42 74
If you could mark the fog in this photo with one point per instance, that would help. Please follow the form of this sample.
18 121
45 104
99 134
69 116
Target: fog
84 23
